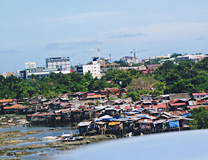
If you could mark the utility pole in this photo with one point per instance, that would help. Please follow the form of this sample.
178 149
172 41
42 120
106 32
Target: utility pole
135 58
110 57
98 50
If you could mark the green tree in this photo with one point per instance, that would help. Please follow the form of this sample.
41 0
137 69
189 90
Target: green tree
175 55
122 63
135 96
200 118
142 83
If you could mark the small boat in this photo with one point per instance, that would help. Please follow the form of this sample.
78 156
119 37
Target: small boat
70 137
64 137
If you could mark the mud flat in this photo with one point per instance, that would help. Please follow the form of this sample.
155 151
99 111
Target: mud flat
77 144
23 145
15 141
15 134
58 145
6 139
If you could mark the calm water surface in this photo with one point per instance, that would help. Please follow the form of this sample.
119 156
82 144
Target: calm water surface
184 145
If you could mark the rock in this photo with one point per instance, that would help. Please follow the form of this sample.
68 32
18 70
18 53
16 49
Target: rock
10 120
19 154
12 159
12 124
10 154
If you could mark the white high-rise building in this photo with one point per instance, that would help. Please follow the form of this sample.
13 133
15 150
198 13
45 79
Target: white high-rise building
62 63
93 67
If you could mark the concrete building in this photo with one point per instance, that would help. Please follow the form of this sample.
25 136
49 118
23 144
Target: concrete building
54 65
93 67
29 65
196 57
130 60
62 63
8 74
39 71
42 72
160 57
79 69
105 65
97 67
199 95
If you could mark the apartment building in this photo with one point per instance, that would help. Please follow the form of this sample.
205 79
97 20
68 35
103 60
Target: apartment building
62 63
93 67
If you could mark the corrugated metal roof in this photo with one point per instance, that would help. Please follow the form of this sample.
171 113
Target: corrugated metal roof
199 94
6 100
113 123
177 104
82 124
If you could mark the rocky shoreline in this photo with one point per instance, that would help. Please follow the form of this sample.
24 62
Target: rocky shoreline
7 139
11 141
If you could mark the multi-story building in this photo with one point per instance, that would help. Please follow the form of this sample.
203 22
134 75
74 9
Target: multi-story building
130 60
39 71
29 65
79 69
62 63
42 72
196 58
54 65
105 65
98 67
93 67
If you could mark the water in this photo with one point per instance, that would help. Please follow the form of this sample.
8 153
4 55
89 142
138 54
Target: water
184 145
47 131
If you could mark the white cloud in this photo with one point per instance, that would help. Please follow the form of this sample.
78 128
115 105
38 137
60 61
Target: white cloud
128 35
8 52
175 31
72 45
88 16
161 32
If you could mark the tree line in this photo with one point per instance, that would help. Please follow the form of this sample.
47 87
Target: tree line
186 76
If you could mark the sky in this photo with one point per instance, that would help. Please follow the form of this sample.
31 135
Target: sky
31 31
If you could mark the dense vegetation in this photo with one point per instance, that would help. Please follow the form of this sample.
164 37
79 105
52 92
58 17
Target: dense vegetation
55 84
200 118
187 76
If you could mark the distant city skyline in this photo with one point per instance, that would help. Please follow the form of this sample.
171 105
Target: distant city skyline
32 31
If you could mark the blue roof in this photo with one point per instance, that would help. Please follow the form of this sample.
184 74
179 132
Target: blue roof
187 114
174 124
108 119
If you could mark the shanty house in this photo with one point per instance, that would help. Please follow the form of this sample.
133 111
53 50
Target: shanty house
178 105
199 95
84 127
146 98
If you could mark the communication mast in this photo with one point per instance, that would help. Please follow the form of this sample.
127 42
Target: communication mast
98 50
110 57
